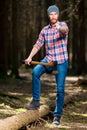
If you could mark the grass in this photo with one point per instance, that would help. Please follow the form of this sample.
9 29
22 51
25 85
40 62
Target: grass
20 110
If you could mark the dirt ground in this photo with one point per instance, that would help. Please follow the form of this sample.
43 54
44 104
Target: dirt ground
15 94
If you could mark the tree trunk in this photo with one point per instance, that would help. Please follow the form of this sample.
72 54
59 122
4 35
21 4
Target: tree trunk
81 55
85 13
4 36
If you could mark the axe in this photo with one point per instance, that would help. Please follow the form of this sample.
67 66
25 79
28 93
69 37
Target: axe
40 63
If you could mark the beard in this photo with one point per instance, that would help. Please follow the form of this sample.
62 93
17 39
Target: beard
53 21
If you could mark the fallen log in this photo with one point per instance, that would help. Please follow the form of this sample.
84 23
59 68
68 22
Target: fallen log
23 119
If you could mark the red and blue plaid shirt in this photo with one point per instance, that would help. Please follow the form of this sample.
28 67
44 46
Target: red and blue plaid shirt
55 43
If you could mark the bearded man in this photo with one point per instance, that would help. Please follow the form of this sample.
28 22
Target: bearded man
54 36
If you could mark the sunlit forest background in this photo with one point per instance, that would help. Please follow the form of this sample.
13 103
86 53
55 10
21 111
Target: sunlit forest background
21 22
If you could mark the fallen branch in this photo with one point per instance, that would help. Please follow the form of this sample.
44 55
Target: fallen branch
4 94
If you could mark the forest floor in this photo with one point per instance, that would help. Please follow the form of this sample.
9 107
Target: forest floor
15 94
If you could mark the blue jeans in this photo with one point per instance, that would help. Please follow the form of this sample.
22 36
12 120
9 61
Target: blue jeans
60 83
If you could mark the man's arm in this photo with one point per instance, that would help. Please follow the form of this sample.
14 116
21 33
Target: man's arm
36 47
33 52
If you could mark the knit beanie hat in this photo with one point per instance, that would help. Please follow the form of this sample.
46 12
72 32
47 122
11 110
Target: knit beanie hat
53 8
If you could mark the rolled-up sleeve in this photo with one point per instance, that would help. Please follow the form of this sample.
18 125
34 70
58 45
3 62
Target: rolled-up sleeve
40 41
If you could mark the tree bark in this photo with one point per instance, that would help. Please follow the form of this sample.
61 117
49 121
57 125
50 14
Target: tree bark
22 119
17 121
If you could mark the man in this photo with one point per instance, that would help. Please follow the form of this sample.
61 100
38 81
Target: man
54 36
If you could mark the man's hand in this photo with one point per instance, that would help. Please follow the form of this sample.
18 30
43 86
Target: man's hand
63 29
28 61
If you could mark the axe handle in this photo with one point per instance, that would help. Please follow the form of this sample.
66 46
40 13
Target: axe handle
40 63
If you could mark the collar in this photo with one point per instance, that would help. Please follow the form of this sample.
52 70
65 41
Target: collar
54 25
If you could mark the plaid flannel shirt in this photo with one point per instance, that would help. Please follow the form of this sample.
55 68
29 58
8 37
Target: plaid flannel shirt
55 43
